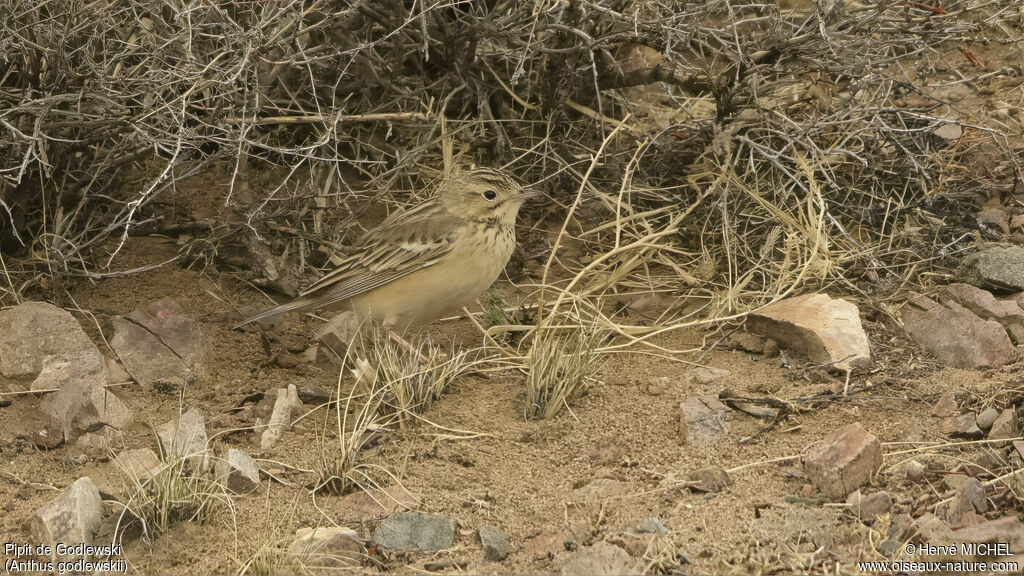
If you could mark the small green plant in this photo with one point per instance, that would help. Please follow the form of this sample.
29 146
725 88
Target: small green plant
494 315
558 365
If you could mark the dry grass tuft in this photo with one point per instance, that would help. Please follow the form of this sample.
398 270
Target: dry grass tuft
179 490
560 360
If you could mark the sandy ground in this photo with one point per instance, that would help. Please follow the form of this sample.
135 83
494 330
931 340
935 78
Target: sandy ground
550 485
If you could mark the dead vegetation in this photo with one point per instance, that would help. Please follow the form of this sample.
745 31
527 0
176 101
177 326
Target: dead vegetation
721 155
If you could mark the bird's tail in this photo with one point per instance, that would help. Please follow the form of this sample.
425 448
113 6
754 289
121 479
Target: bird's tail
303 303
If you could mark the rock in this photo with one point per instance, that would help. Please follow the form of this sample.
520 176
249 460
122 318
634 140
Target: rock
962 510
313 395
139 463
96 444
166 320
711 479
702 419
995 219
149 361
327 546
82 365
704 375
338 332
987 418
186 436
84 406
975 493
494 542
866 508
966 426
985 306
414 531
946 407
72 518
1004 427
931 529
815 325
238 472
33 334
601 559
912 470
954 335
114 373
843 461
1018 445
1007 529
748 342
995 267
900 528
281 418
949 131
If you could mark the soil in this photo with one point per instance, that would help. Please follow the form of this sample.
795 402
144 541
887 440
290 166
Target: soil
552 486
614 461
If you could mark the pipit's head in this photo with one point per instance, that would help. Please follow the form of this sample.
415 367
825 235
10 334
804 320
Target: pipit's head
484 194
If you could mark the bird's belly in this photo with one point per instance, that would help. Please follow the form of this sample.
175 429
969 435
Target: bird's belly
430 293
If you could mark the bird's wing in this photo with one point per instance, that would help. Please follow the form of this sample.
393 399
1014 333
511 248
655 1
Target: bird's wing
402 244
405 242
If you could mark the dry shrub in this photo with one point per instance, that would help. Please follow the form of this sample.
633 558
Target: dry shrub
720 154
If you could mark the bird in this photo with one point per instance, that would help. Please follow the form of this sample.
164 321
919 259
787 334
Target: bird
425 261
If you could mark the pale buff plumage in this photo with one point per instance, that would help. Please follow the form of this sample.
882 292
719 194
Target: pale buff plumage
427 261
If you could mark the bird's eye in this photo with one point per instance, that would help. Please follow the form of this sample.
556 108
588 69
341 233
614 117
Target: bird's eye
490 194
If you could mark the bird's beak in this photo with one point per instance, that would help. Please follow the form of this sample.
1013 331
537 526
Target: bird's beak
528 193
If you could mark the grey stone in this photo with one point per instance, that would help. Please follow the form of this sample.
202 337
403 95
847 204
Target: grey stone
285 404
933 530
966 426
995 267
33 334
494 542
816 326
313 395
186 436
975 492
985 306
338 332
149 361
328 547
167 321
84 406
96 444
954 335
601 559
866 508
946 406
843 461
949 131
704 375
987 418
712 479
74 517
1005 426
414 531
138 463
1007 529
702 420
239 472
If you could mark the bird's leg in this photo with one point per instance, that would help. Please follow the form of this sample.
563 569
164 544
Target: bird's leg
407 345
